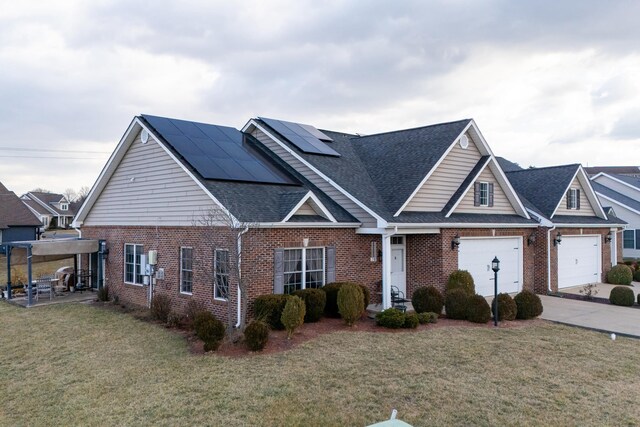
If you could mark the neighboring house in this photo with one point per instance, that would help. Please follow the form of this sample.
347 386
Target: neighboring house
402 209
16 221
622 194
632 171
53 210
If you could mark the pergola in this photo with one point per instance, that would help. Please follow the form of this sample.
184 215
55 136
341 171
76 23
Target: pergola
28 252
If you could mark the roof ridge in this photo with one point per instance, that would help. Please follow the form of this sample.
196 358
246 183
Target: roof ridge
544 167
410 129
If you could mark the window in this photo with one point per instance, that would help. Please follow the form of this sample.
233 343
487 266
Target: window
572 198
132 267
221 268
64 207
303 268
628 239
186 270
397 240
484 194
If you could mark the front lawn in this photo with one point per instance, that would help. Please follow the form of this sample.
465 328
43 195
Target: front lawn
74 364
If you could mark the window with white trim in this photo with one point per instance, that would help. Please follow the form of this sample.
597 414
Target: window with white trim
629 239
484 194
64 207
132 266
573 198
186 270
303 268
221 278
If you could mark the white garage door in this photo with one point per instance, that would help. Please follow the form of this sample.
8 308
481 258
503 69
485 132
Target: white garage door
475 256
578 260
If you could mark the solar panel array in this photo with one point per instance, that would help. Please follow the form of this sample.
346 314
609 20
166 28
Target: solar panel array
305 137
217 152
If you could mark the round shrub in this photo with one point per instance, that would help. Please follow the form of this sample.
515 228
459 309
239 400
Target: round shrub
350 303
293 315
528 305
620 275
160 307
256 335
478 310
426 299
428 317
638 298
622 295
636 276
268 308
507 308
331 289
461 279
455 304
390 318
411 320
366 295
314 302
209 329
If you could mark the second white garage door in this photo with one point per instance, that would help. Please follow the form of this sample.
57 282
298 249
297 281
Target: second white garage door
475 256
578 260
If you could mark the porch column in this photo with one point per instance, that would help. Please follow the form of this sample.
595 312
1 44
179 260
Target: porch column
386 271
29 278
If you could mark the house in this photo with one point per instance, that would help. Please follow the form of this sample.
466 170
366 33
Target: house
402 208
621 193
53 210
631 171
16 221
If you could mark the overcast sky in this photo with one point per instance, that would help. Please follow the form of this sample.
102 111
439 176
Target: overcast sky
548 82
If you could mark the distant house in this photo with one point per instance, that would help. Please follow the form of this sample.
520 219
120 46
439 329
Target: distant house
53 210
632 171
16 221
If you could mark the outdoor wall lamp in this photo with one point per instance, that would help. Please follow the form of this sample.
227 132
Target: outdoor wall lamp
608 237
557 240
455 242
531 239
104 249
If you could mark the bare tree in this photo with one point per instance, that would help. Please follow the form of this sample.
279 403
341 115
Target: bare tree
70 194
82 194
40 190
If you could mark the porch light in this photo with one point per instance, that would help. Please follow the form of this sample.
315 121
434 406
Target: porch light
557 240
608 237
455 242
531 239
104 249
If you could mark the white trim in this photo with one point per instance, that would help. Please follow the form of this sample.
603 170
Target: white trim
306 225
381 221
464 193
590 194
180 283
124 264
618 202
215 273
465 225
614 245
615 179
577 225
303 264
43 204
599 240
303 200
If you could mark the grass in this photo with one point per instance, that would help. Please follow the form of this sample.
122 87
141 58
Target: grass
37 269
77 364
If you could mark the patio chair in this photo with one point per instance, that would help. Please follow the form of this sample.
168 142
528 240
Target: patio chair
398 300
44 285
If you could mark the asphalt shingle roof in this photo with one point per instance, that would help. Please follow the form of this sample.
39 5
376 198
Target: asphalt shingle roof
628 179
466 183
13 212
575 219
508 166
612 194
49 199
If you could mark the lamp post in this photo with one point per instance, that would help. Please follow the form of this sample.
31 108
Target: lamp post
495 266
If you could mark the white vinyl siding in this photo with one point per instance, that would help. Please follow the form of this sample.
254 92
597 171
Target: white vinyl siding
306 209
149 188
350 206
585 206
445 180
501 204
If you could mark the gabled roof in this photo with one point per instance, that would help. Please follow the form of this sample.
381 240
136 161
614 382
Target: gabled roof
13 213
48 200
610 194
508 166
594 170
623 179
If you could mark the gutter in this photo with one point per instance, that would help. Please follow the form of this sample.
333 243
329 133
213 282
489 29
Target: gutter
239 313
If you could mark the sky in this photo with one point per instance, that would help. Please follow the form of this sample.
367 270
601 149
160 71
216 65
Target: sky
547 82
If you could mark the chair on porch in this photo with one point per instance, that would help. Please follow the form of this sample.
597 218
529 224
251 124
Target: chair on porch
398 301
44 285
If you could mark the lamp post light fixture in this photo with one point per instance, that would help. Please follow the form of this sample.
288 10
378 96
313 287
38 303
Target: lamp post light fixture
455 242
608 237
495 266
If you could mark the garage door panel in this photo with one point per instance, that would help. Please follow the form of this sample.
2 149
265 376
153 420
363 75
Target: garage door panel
579 259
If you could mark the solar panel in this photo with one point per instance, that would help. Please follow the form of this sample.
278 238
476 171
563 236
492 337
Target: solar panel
305 137
218 152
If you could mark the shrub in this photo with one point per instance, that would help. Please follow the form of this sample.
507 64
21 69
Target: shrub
366 294
621 295
636 276
174 320
507 307
332 289
426 299
620 275
160 307
429 317
461 279
193 308
411 320
390 318
350 303
268 308
103 294
293 315
478 310
256 335
314 302
209 329
455 304
638 298
528 305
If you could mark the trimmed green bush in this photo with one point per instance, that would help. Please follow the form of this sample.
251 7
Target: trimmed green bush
268 308
478 310
390 318
411 320
507 307
256 335
636 276
331 306
209 329
366 294
426 299
350 303
455 304
461 279
160 307
622 295
620 275
638 298
428 317
528 305
293 315
314 302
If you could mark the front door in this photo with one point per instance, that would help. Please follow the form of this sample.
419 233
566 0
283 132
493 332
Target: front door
398 264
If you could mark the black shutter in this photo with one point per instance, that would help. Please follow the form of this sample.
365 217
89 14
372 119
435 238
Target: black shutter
569 199
331 264
637 239
577 199
278 271
491 194
476 194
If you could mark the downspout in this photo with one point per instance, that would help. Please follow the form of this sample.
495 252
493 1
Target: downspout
549 258
239 314
80 258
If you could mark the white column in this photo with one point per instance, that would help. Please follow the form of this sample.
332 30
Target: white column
386 271
614 246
